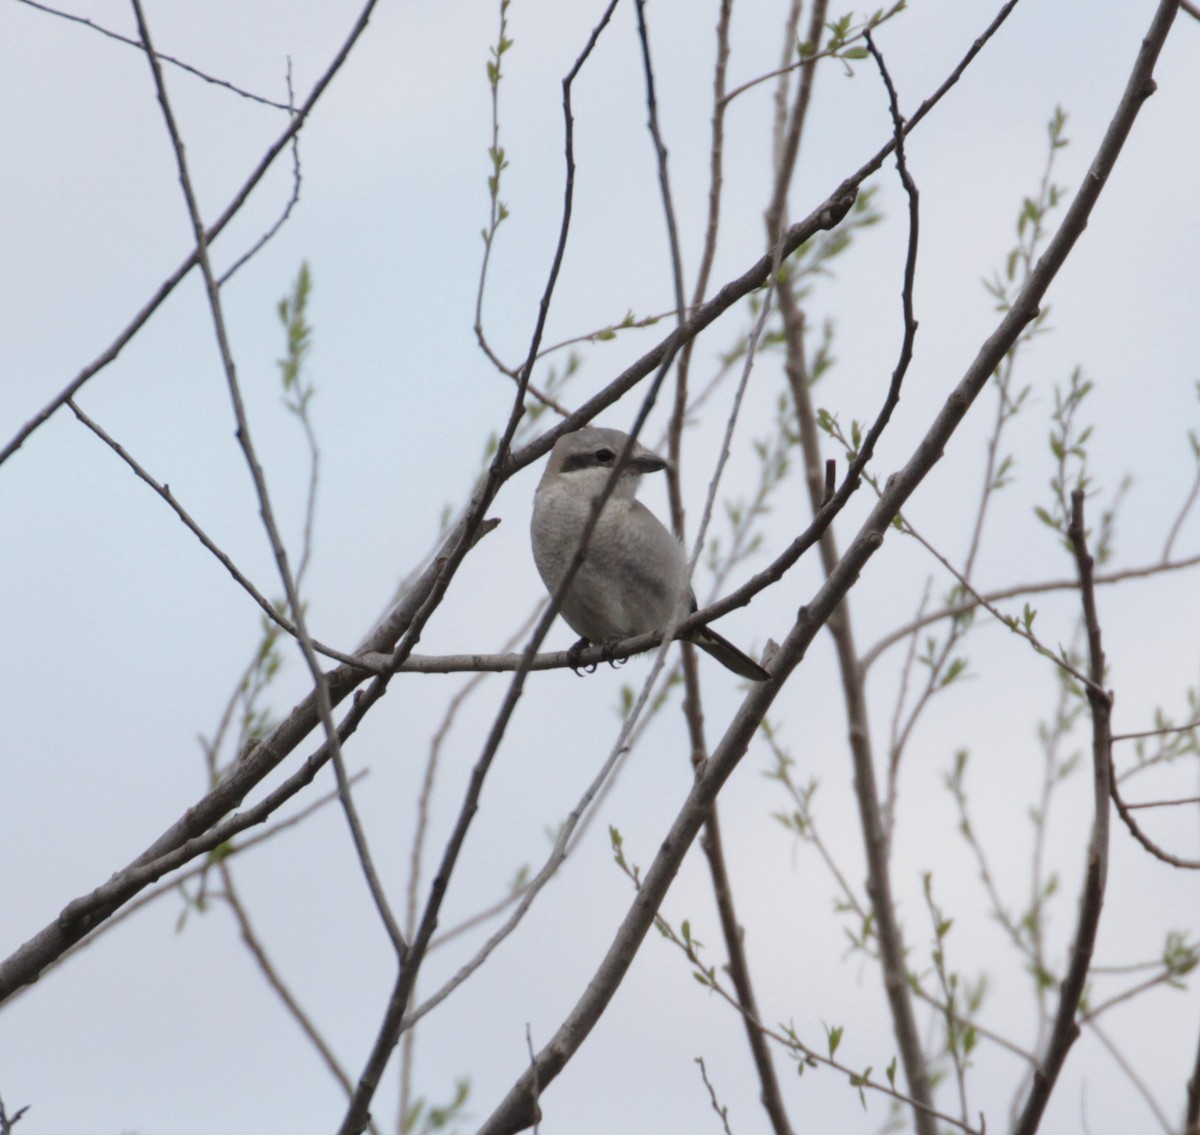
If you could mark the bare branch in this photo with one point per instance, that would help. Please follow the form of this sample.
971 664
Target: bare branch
292 200
1187 728
1135 830
983 599
722 1112
1139 1085
1066 1028
871 816
254 944
267 607
240 91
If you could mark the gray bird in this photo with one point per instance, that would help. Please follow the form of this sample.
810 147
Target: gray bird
634 573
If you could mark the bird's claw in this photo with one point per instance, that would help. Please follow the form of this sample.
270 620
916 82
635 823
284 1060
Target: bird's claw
573 658
609 654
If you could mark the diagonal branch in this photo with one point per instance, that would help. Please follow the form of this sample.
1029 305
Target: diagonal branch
110 34
711 842
164 491
872 813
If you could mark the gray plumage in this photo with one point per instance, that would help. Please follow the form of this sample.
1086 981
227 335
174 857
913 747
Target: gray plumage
634 573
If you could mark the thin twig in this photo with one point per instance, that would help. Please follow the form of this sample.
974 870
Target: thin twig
975 600
1176 527
8 1122
292 201
1167 974
257 951
1022 629
1195 724
900 731
164 491
791 1040
722 1112
242 92
1163 803
988 1034
1131 1075
954 1025
1135 830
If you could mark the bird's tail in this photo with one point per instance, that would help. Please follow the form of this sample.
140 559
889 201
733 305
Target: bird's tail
728 655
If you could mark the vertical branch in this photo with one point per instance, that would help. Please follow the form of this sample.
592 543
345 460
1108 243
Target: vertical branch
660 151
875 835
789 128
266 512
711 842
1066 1027
739 973
498 212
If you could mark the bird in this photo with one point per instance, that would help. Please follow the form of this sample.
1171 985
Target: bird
633 576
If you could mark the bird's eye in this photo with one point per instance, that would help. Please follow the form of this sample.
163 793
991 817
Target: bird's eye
605 456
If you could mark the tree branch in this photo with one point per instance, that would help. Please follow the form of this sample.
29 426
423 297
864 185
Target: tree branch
1066 1028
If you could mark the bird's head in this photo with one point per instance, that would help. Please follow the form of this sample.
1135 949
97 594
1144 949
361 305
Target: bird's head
586 459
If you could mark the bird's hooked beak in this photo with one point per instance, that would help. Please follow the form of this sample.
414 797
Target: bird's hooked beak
646 462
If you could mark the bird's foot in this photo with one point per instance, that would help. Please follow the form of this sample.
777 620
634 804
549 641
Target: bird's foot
609 654
573 658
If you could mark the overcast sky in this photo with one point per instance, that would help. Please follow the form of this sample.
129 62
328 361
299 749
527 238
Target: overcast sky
121 638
